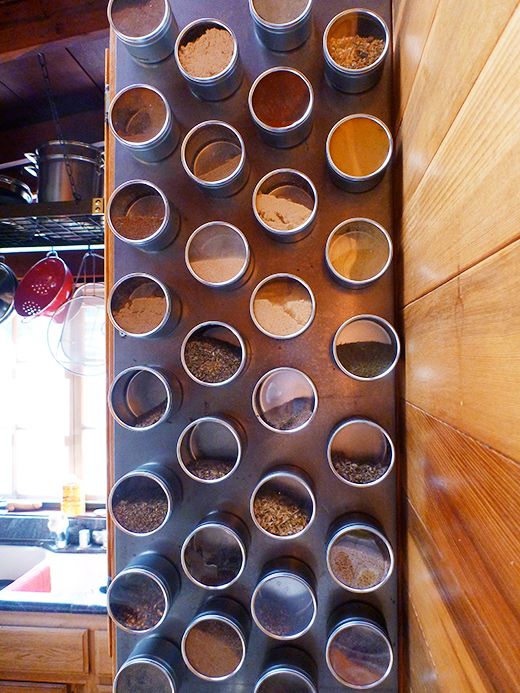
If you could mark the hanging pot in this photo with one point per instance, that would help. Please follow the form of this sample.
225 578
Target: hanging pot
13 191
44 288
8 284
49 165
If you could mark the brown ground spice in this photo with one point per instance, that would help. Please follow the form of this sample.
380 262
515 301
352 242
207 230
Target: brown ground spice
208 55
214 648
278 513
137 228
137 17
360 568
355 52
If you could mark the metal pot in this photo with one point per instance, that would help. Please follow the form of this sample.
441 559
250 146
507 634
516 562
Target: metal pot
8 284
13 191
86 163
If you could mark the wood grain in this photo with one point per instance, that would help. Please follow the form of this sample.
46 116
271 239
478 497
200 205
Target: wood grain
26 25
43 650
453 57
449 665
411 27
464 498
9 687
103 661
466 205
463 351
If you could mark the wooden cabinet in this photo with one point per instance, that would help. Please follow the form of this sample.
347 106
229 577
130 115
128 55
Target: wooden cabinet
54 653
20 687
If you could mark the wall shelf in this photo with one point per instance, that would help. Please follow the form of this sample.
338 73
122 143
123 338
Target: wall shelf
49 224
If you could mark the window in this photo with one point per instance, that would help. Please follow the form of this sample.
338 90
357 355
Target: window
52 423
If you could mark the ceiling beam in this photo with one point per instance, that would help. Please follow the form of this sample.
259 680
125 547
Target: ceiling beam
28 25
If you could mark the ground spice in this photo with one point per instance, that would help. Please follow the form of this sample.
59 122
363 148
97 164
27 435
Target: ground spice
275 617
141 506
218 269
358 471
138 603
359 147
137 17
214 648
291 414
355 52
142 118
277 12
142 310
209 54
136 228
280 99
366 359
150 417
282 307
280 213
279 513
358 560
142 677
357 253
217 161
209 470
212 360
213 558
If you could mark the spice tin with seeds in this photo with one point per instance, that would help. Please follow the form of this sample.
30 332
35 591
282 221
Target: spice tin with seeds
147 29
281 102
281 28
213 154
283 504
360 452
285 204
140 305
359 556
140 596
355 68
213 354
141 398
285 400
142 501
366 347
209 449
340 397
141 119
196 55
140 214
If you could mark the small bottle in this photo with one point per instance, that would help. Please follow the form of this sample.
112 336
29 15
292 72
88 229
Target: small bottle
73 498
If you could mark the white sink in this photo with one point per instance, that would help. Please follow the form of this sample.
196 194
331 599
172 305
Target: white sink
17 560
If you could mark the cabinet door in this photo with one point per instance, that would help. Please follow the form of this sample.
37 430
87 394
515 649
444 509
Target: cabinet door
20 687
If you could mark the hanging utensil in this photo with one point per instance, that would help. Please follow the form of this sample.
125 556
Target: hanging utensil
8 284
44 288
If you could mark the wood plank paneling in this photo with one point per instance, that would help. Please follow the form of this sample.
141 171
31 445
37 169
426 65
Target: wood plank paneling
61 651
467 204
26 25
459 43
444 664
463 351
91 56
412 24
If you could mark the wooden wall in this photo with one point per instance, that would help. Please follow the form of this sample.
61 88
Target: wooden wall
458 175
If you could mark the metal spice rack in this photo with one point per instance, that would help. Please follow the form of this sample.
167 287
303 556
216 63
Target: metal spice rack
339 396
46 224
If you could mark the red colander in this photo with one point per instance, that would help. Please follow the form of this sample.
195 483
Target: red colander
44 288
